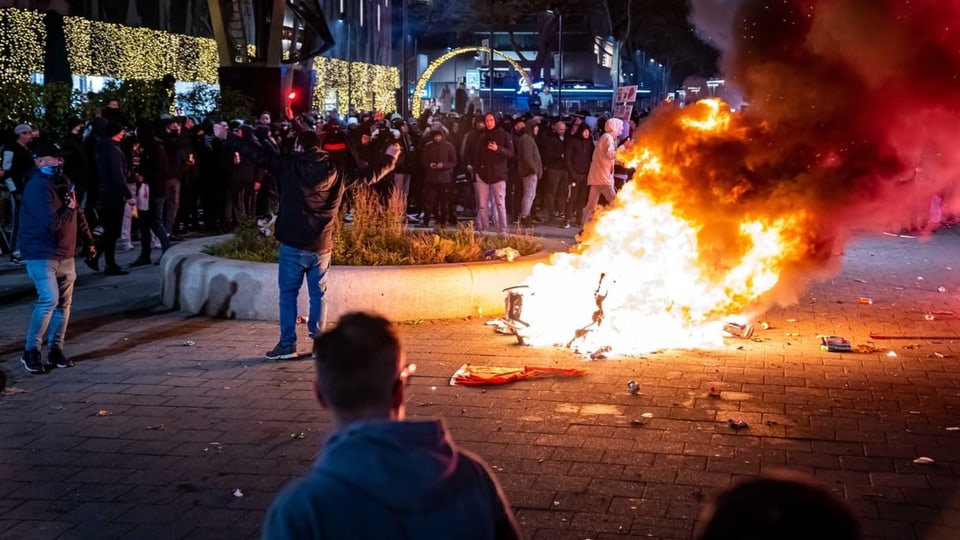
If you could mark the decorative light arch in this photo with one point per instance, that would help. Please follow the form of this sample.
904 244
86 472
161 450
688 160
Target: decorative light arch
427 73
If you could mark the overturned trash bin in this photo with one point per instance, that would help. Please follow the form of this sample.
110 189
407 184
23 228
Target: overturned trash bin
740 330
513 311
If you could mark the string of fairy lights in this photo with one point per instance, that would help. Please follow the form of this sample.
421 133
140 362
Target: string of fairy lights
372 89
125 52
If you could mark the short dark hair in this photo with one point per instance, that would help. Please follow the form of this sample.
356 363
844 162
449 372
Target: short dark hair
358 363
784 505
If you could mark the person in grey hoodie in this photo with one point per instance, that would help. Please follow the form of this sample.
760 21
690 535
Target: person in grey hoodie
379 477
600 177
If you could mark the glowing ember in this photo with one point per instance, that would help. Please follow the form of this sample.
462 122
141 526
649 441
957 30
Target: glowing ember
662 267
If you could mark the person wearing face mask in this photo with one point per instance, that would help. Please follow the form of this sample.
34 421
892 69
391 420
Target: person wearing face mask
48 240
176 167
579 155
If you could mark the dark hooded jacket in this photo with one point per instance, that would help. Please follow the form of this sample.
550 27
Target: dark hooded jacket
311 187
114 171
388 480
438 152
491 165
579 153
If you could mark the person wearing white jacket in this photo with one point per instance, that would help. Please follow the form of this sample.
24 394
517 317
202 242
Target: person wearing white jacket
600 177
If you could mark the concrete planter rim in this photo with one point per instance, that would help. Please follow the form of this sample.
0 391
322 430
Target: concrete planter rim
203 284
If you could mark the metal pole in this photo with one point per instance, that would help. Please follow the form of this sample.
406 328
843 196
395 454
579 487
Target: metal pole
490 82
404 77
560 54
349 70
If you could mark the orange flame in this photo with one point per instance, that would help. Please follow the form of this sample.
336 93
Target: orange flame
673 267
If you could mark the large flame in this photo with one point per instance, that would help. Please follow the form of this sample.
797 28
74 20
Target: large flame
660 267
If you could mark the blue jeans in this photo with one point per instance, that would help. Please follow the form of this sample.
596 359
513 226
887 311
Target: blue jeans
294 265
491 197
54 282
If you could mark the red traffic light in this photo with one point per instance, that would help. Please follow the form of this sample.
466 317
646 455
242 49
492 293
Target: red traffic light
292 95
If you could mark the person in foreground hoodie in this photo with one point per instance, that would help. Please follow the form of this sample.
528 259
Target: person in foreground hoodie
378 476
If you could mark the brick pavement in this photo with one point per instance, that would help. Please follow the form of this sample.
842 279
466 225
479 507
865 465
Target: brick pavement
148 437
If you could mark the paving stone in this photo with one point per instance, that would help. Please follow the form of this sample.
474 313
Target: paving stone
38 528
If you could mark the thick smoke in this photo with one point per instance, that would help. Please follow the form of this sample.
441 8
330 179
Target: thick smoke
714 21
853 104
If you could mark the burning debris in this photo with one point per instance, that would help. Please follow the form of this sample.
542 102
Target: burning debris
835 344
513 323
740 330
599 295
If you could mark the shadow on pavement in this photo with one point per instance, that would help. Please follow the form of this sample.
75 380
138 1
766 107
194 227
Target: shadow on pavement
95 319
136 338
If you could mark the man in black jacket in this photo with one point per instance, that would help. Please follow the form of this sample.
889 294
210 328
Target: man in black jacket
114 172
438 159
494 148
556 174
311 188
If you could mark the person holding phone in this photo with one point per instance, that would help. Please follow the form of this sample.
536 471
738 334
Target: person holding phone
438 159
48 240
494 149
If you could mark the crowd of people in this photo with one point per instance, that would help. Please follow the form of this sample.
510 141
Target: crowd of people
159 180
504 170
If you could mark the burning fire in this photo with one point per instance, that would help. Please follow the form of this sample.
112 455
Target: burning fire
844 133
663 266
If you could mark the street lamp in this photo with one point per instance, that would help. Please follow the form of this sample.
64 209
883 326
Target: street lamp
404 75
349 56
490 59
